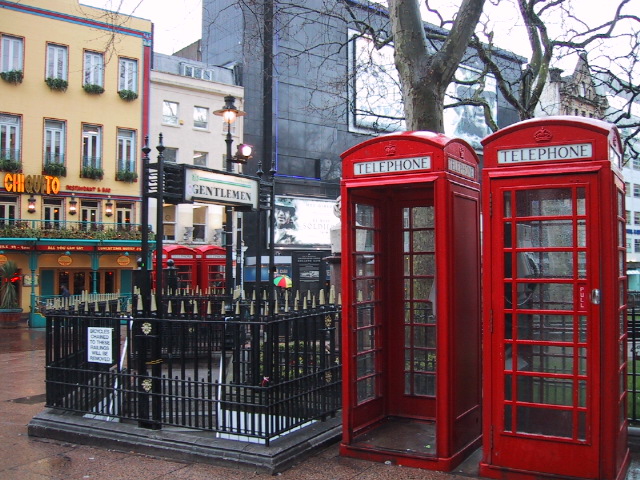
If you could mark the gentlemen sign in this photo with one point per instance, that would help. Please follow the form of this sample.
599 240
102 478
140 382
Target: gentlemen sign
220 188
546 153
392 166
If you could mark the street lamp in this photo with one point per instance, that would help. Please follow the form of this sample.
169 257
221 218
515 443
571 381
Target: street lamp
229 114
108 207
31 207
73 206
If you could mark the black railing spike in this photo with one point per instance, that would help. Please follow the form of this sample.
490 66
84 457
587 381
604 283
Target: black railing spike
146 149
160 147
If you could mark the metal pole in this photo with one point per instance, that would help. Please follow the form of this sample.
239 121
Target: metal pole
228 229
239 259
159 227
145 287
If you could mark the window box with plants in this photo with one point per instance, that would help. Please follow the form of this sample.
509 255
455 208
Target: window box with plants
55 169
10 311
127 95
94 173
8 164
93 89
12 76
126 176
57 84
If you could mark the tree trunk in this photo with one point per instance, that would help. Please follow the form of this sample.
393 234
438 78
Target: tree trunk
424 76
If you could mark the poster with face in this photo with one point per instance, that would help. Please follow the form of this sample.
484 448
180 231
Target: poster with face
468 121
303 221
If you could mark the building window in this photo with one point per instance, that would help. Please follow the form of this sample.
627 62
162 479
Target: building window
171 155
124 215
636 245
197 72
128 75
636 190
89 214
192 71
91 146
200 159
200 117
169 222
12 48
627 216
199 223
52 212
169 113
8 207
54 136
10 139
126 150
636 218
627 189
636 163
93 69
56 61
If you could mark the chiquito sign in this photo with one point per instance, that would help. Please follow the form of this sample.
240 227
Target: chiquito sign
21 183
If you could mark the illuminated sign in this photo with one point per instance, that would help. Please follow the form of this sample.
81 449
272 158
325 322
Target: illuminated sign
546 153
21 183
392 166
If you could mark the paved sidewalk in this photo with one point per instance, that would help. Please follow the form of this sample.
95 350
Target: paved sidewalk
23 458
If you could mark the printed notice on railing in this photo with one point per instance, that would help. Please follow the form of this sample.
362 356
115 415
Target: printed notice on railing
99 345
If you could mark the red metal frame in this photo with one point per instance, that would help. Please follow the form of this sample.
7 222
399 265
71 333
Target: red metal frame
554 357
411 351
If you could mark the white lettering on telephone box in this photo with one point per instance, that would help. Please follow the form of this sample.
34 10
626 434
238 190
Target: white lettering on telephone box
546 153
392 166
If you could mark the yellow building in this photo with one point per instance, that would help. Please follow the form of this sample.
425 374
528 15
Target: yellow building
74 83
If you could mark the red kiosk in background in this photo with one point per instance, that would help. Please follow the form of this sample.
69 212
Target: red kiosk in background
211 269
185 260
411 296
554 302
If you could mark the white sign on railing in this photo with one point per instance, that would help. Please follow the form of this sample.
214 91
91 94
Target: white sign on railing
99 345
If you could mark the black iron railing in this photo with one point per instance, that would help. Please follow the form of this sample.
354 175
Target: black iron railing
242 376
633 352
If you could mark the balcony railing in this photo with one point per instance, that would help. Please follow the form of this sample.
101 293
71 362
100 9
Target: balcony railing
12 228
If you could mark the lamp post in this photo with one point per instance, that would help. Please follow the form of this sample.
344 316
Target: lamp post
229 114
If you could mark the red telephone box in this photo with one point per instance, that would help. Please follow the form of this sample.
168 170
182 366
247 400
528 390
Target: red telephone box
211 269
554 302
185 260
411 296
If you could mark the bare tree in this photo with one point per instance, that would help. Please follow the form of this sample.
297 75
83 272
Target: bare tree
425 74
576 36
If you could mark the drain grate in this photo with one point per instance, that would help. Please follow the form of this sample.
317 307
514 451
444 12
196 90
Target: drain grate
33 399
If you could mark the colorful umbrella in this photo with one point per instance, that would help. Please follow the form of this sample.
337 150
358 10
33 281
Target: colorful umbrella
283 281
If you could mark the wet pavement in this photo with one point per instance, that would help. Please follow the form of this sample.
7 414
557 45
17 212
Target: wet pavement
22 390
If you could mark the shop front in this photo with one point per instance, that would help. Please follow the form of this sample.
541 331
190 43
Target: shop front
50 267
